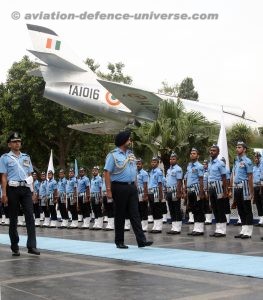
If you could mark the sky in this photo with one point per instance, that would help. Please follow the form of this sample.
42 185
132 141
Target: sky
224 56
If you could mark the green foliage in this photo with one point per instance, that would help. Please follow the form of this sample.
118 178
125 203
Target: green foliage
240 132
186 90
178 131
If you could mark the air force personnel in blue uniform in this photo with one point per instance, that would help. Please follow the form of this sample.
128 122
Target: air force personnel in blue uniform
195 190
242 180
120 179
257 173
16 170
174 178
217 190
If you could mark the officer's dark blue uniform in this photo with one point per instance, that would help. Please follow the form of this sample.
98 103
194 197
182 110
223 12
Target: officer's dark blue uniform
16 168
120 177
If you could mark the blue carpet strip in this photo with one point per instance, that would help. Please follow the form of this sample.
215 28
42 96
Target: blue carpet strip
233 264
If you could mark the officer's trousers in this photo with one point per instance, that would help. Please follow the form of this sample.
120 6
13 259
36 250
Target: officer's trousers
125 198
62 208
16 196
156 207
227 206
259 200
108 207
218 206
244 207
36 209
197 207
96 207
174 207
84 207
143 210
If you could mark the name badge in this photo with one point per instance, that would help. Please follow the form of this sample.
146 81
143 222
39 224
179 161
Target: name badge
26 163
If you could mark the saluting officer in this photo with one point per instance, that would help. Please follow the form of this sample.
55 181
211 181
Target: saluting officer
195 190
120 177
174 178
16 169
217 190
242 178
142 186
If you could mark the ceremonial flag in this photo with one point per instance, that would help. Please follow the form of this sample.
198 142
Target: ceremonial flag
50 164
222 143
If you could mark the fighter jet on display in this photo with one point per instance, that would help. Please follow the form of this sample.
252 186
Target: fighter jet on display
71 83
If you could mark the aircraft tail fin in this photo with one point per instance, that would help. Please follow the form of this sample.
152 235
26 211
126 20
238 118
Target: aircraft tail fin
55 53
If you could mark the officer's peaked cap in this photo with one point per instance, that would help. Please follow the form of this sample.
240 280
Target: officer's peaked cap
121 138
14 136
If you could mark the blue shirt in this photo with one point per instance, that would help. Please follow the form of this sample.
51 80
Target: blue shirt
256 174
71 184
142 177
228 174
51 186
216 168
121 165
96 184
205 179
43 189
242 167
36 186
83 183
62 185
193 172
10 166
155 177
174 173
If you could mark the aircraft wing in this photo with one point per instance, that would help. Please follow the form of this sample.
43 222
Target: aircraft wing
102 127
142 103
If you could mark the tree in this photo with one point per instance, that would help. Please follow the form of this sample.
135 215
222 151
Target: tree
186 90
240 132
168 90
177 130
115 73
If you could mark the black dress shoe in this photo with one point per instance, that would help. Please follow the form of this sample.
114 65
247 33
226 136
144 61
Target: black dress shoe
195 233
16 252
261 238
155 231
237 224
212 234
239 236
208 223
33 251
173 232
122 246
217 234
258 225
245 236
145 244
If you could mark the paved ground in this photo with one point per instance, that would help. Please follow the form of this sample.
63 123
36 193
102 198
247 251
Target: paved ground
55 275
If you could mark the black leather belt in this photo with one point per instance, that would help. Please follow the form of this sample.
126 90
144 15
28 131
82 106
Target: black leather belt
123 183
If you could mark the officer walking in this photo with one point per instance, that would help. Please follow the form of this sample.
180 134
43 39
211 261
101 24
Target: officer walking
16 169
120 177
242 178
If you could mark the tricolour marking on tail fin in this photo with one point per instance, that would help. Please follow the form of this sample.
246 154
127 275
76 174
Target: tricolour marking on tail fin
54 52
